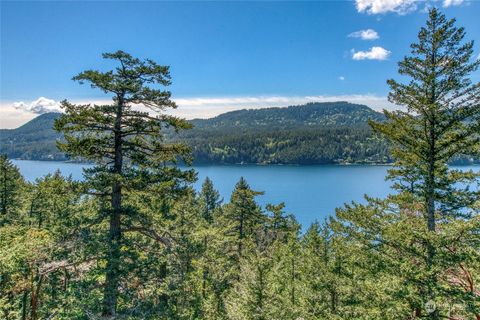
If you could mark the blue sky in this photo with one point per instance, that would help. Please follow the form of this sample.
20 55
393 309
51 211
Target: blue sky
223 55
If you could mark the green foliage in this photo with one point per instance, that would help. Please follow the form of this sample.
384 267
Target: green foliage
11 183
25 253
315 133
135 241
442 118
242 219
367 263
315 114
419 233
34 140
128 147
319 145
209 200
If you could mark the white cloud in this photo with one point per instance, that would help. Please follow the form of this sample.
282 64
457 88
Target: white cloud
368 34
375 53
39 106
450 3
341 78
12 118
400 6
385 6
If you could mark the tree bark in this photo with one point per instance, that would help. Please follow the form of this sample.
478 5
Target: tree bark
115 234
24 304
35 297
430 181
204 271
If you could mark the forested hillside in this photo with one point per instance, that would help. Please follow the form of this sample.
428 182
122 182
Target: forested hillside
297 146
35 140
134 240
326 114
314 133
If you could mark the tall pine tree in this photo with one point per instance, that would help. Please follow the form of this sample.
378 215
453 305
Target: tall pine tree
442 116
126 143
441 120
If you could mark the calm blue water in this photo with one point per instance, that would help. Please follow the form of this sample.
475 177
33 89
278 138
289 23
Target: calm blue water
310 192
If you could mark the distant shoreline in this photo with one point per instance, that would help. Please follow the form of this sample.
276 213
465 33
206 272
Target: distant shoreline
389 164
232 164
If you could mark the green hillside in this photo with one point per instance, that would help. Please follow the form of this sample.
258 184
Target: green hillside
307 134
35 140
314 133
311 115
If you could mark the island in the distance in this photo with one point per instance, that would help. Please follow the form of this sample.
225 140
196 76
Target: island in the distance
314 133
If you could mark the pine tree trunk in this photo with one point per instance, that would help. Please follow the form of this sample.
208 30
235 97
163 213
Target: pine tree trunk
35 297
430 208
333 301
261 292
24 305
432 139
430 182
205 271
113 258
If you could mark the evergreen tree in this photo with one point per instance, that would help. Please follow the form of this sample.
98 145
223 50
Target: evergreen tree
441 122
251 297
25 253
126 143
42 263
281 226
53 201
210 208
285 281
243 217
320 289
10 185
210 199
183 294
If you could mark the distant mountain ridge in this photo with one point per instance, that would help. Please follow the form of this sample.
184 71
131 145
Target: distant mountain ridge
331 132
35 140
326 114
314 133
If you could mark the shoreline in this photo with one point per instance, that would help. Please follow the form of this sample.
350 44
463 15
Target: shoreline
386 164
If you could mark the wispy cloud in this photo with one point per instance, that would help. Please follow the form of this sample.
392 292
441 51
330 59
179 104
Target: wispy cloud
451 3
385 6
39 106
368 34
341 78
375 53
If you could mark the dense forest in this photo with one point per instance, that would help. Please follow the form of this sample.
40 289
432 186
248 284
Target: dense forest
133 240
35 140
315 133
